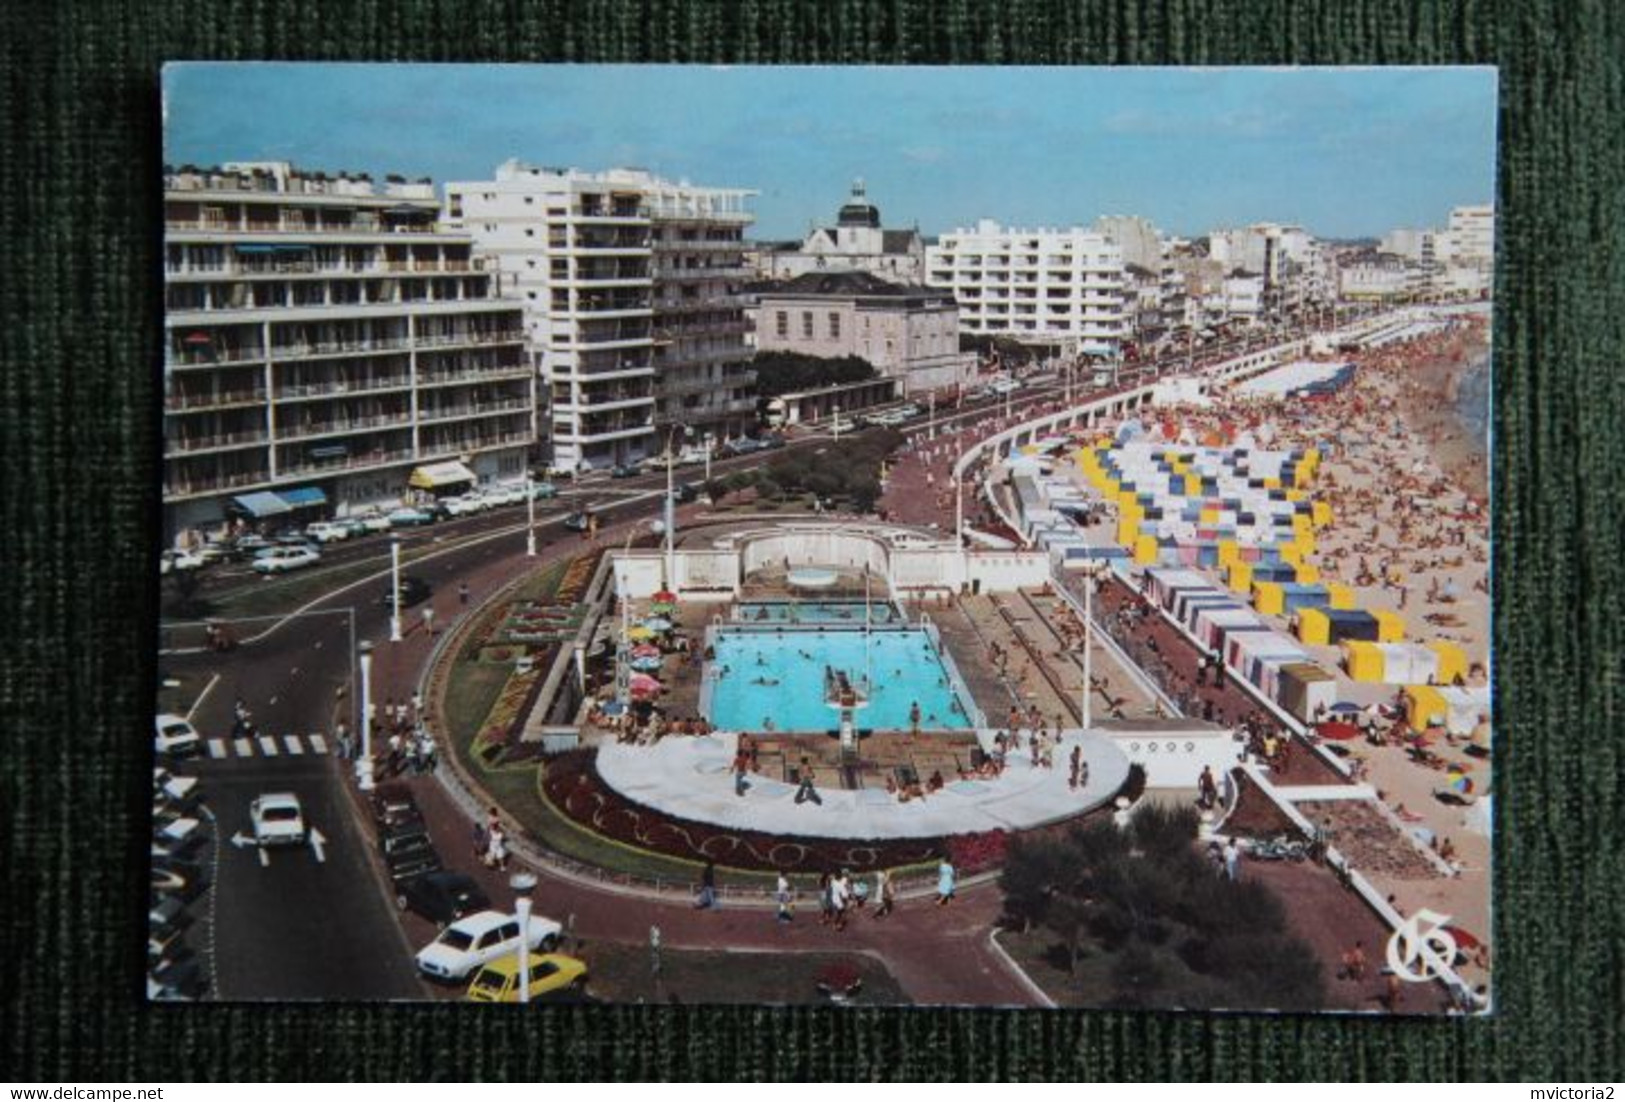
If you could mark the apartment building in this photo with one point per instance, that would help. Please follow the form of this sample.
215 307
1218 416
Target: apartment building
1061 288
328 343
631 290
908 333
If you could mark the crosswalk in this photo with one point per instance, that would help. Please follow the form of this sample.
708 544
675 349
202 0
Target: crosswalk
267 746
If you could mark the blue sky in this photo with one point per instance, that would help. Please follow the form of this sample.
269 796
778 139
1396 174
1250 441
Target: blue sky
1344 152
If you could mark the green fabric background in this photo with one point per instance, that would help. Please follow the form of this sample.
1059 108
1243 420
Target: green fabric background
79 448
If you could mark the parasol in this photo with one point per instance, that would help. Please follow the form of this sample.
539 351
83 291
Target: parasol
657 624
645 650
640 632
643 683
1343 706
645 664
665 597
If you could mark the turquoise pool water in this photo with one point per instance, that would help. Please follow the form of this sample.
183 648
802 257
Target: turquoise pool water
813 612
781 676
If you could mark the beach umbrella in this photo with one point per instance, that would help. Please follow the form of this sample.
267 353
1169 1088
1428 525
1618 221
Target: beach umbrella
1459 782
660 608
640 633
1337 731
645 664
1344 707
1463 939
657 624
645 650
643 683
665 596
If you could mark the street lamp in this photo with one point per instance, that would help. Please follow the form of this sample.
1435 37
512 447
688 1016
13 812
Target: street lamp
530 513
523 883
363 765
394 590
671 508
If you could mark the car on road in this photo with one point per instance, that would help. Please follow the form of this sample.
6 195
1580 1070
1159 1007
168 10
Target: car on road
175 737
178 559
743 446
247 545
769 443
173 786
408 852
1004 386
624 470
374 520
466 505
327 531
280 560
841 424
551 974
541 491
278 820
478 939
409 516
181 878
578 522
442 896
414 591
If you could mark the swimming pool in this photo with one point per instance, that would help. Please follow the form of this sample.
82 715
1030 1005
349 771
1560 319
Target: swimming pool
780 676
849 613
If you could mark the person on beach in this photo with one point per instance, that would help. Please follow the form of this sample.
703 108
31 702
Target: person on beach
947 879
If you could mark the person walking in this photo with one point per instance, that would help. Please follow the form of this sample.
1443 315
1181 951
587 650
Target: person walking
1075 764
496 854
885 894
482 841
1232 861
741 769
806 791
947 879
840 898
708 887
785 899
826 910
428 620
462 594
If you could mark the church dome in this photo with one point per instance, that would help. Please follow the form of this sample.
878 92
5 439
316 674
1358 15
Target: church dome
858 211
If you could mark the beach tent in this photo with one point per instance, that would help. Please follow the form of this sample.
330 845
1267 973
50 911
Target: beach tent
1463 708
1390 626
1339 596
1314 627
1452 661
1306 689
1424 706
1391 663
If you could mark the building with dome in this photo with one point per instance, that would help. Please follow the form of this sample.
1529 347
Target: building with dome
857 242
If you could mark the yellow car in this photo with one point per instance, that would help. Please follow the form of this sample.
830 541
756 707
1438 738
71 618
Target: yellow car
550 973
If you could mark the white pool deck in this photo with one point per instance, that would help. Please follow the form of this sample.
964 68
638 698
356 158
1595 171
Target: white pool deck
689 778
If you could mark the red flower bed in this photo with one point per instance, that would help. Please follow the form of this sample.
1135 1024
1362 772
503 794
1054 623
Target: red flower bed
573 786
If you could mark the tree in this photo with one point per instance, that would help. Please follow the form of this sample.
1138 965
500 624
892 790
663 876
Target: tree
792 372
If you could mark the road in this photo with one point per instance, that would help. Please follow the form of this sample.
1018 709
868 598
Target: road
296 927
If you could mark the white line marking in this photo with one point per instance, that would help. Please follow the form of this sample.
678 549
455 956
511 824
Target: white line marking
268 746
295 747
318 744
198 703
244 748
217 748
271 701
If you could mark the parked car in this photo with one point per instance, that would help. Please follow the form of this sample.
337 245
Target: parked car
374 521
278 820
551 974
248 545
408 852
466 505
173 785
507 493
841 424
442 896
743 446
327 531
167 912
280 560
414 591
177 559
540 491
478 939
183 879
623 470
393 806
179 979
409 516
769 443
174 737
216 551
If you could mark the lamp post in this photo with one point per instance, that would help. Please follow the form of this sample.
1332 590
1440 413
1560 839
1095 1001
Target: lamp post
835 425
395 590
363 765
523 883
1090 577
671 509
931 417
530 514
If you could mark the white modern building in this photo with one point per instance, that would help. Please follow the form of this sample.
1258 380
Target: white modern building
327 343
631 290
1056 287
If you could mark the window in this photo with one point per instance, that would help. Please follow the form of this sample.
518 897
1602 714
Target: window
835 327
783 323
806 324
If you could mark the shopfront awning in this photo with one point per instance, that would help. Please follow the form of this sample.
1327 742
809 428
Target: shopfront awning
262 504
303 497
433 476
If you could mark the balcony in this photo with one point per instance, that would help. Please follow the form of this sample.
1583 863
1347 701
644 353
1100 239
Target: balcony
195 445
377 458
583 434
177 488
478 409
667 247
186 403
448 340
182 360
304 350
688 275
344 426
341 388
466 375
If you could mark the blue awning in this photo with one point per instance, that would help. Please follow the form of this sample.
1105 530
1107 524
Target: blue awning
303 497
255 248
262 504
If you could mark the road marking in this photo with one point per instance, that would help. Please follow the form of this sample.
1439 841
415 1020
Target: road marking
271 701
217 748
295 747
318 744
243 747
268 746
198 703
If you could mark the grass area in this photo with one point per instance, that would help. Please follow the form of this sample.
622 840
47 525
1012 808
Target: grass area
1035 954
625 973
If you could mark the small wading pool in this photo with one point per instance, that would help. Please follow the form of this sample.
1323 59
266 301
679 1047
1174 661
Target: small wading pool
849 613
779 676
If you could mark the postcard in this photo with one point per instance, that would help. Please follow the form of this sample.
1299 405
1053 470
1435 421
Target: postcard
787 535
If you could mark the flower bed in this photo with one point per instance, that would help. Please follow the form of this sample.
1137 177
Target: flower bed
575 581
572 785
501 726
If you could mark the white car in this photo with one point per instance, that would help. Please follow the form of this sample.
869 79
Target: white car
840 424
324 531
466 505
176 738
177 559
279 560
478 939
505 495
278 820
170 786
375 522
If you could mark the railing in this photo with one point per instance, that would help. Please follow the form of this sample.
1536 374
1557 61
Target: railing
228 358
342 388
483 409
190 487
474 374
177 402
301 349
182 445
371 459
339 426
